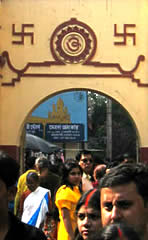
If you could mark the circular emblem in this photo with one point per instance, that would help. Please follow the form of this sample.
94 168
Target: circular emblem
73 42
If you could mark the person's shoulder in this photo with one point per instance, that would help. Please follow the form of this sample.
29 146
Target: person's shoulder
26 193
63 194
61 188
53 175
23 175
86 184
43 189
65 191
23 231
31 233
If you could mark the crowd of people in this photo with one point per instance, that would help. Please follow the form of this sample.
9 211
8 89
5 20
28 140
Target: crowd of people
83 201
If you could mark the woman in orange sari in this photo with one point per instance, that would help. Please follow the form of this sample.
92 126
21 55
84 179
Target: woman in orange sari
66 199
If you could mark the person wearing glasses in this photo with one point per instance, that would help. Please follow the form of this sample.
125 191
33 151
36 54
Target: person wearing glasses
86 163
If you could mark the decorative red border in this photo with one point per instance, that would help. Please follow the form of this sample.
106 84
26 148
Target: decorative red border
22 72
4 58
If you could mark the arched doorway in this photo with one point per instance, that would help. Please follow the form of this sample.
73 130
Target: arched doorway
90 109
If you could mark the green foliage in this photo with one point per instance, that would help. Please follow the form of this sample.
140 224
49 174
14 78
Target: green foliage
123 130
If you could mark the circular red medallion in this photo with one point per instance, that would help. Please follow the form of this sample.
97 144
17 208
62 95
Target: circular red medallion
73 42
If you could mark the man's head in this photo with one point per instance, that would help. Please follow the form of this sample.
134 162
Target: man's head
30 162
124 196
99 172
39 159
9 172
85 161
32 181
43 166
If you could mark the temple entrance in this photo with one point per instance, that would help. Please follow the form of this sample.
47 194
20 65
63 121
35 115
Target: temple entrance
76 120
46 52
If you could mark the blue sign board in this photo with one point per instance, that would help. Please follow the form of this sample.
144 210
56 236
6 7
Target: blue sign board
64 132
35 129
65 108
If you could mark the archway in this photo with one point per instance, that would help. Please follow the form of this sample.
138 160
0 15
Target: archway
56 115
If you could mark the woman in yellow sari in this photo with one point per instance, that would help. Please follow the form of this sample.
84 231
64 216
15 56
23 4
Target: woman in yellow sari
66 199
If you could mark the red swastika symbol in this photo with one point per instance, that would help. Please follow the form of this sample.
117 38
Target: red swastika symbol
22 34
125 35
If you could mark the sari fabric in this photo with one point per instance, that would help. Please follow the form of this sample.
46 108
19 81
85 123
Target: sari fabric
36 205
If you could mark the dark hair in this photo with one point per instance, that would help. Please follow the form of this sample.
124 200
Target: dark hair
127 173
67 167
30 162
91 199
100 173
32 175
43 163
116 231
9 169
112 164
84 152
